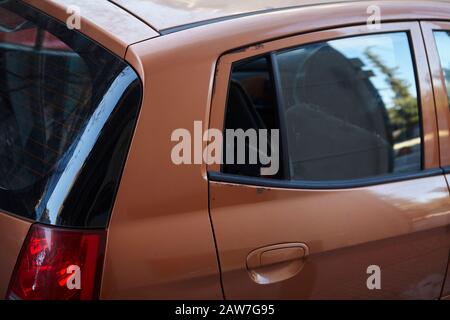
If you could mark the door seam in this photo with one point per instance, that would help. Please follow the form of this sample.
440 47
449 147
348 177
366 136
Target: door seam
215 241
434 93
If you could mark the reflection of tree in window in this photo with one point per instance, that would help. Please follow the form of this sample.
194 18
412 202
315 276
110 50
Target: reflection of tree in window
404 116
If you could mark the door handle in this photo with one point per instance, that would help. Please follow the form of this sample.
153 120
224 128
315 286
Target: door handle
277 262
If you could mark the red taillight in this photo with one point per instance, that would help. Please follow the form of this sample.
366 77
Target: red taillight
58 264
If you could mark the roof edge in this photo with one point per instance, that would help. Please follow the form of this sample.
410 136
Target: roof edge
101 20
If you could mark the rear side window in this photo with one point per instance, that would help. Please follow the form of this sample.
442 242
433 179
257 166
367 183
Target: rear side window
348 108
443 45
59 93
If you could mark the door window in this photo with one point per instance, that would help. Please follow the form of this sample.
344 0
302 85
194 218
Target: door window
443 45
347 109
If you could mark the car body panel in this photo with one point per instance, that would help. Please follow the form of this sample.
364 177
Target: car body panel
160 241
442 107
398 227
393 225
143 208
446 287
167 14
13 232
101 20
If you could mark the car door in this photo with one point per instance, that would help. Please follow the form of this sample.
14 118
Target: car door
437 41
358 207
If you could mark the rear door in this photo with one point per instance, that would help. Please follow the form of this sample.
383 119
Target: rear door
359 207
437 41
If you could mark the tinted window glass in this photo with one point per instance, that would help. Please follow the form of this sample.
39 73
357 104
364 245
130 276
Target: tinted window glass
443 44
351 108
251 105
58 92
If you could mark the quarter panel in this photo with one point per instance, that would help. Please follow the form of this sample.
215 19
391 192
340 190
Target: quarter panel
13 232
160 242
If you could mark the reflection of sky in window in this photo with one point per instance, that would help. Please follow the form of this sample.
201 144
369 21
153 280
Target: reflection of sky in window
393 51
443 45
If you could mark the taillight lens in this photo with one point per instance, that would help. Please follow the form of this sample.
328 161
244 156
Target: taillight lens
59 264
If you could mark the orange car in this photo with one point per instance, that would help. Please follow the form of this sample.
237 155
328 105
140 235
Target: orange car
196 149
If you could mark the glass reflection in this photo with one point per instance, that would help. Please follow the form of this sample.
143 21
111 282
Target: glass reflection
443 45
351 108
60 95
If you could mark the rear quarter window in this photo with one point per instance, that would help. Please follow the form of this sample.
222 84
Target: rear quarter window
63 128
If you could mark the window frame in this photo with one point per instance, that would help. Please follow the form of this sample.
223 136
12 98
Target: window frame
439 87
430 146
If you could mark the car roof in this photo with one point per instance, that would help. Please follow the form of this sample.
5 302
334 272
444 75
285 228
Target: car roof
170 15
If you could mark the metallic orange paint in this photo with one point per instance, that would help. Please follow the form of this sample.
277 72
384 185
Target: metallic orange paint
13 232
101 20
161 243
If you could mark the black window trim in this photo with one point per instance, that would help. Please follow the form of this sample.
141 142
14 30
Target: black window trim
327 184
284 150
322 185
